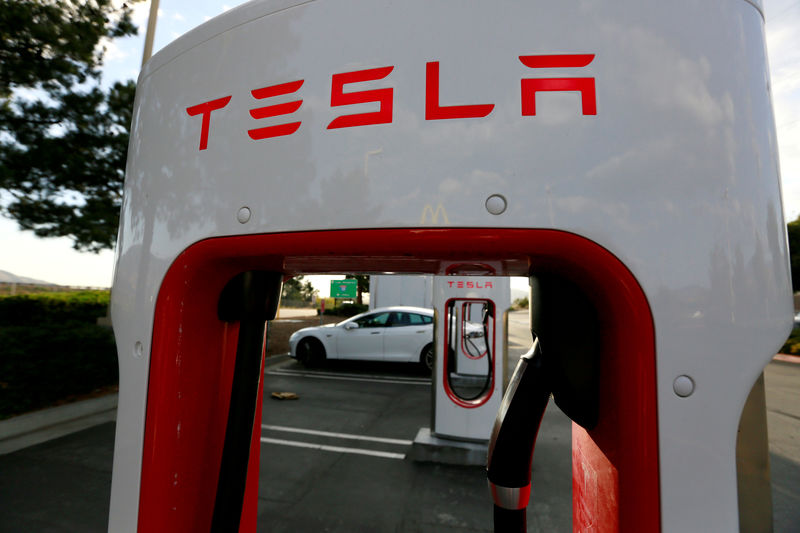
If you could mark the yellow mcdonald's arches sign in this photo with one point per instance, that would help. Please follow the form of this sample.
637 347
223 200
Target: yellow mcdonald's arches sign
429 212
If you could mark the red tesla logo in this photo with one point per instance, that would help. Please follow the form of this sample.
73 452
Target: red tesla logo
384 97
469 284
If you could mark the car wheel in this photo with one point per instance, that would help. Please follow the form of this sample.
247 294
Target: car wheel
426 357
310 352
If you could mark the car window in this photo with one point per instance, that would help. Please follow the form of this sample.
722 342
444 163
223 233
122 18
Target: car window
425 319
401 319
378 320
416 319
398 320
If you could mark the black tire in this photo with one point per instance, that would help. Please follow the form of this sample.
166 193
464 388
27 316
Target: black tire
427 357
310 352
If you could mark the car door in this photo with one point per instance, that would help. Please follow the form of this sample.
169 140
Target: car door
364 341
406 335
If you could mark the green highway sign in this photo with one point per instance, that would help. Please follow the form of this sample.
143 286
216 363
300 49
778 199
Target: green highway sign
344 288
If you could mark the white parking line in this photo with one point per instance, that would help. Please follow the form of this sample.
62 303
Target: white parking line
400 442
349 377
339 449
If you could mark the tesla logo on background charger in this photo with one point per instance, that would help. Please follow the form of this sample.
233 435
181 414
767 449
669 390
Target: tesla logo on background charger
384 97
469 284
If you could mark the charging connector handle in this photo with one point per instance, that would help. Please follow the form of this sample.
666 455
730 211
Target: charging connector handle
514 437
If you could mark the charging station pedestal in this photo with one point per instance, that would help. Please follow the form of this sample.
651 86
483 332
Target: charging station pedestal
468 374
625 149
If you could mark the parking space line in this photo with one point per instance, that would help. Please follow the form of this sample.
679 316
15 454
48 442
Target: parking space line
339 449
400 442
349 377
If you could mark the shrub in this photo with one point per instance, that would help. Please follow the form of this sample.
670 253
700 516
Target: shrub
347 310
52 349
520 303
53 307
792 344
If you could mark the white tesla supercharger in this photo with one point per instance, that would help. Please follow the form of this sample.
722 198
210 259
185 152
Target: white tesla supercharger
620 154
469 370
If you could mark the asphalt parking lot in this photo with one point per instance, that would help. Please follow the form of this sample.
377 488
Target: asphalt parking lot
333 460
336 459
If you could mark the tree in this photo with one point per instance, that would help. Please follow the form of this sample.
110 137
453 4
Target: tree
793 229
298 289
363 286
63 139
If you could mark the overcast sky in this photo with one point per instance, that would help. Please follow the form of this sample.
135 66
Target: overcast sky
55 261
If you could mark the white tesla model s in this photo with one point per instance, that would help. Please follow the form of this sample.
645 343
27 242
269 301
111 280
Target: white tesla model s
394 334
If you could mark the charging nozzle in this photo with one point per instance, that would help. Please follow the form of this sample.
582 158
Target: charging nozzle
513 439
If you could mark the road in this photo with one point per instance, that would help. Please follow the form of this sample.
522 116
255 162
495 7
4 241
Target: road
782 381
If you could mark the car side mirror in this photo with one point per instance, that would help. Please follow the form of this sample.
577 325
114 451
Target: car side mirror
351 325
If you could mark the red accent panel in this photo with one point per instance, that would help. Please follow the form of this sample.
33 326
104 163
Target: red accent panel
205 109
557 61
185 424
383 96
433 111
595 486
583 85
250 505
192 354
615 465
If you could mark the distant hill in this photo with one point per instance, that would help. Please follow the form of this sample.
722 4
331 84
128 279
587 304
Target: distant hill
518 293
8 277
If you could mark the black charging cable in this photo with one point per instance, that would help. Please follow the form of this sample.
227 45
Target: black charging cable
513 440
469 342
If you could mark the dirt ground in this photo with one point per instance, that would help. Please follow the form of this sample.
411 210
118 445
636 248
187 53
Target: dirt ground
282 328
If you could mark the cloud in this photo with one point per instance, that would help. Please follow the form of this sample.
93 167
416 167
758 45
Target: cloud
782 22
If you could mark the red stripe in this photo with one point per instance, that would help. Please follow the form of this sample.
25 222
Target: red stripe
524 496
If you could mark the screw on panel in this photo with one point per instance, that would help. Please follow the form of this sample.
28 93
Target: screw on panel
496 204
243 216
683 386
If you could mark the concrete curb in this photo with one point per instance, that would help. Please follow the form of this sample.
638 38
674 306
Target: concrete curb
40 426
787 358
273 360
47 424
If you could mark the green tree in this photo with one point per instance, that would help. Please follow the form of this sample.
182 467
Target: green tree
297 289
63 138
793 229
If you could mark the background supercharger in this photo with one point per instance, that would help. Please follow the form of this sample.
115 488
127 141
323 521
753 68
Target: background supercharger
631 141
469 371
